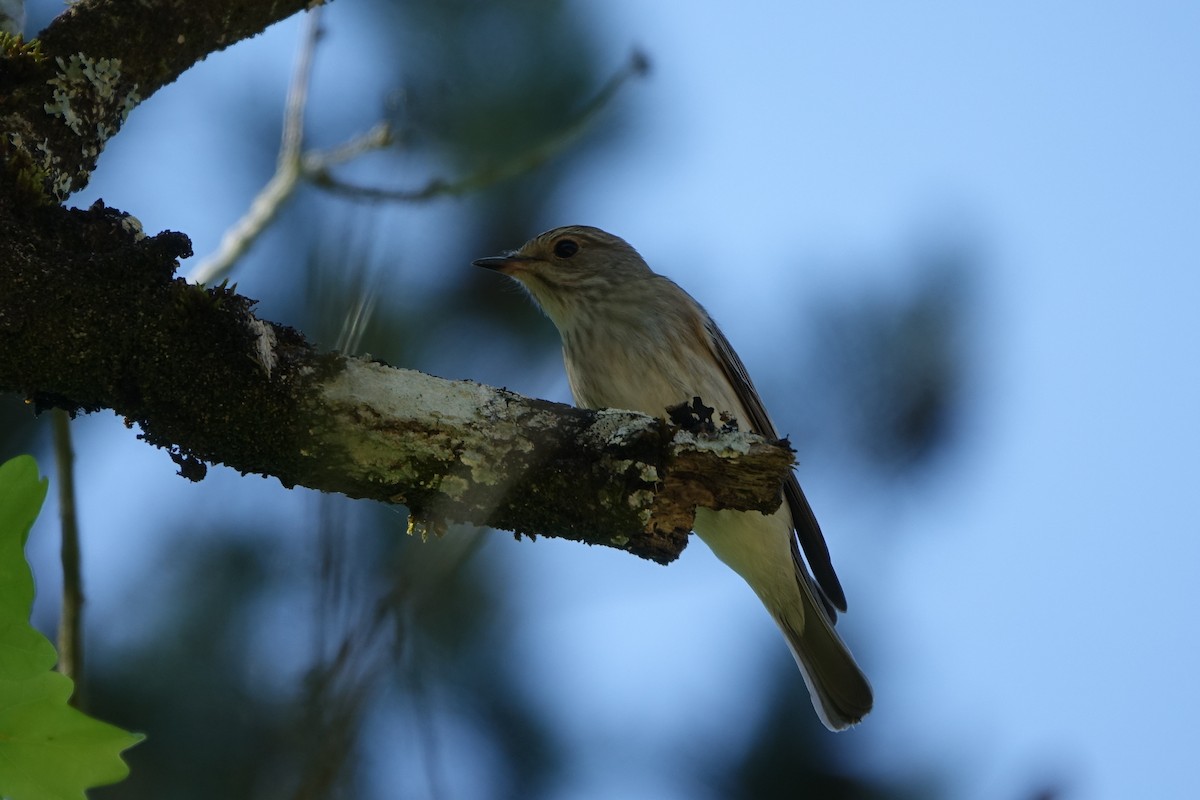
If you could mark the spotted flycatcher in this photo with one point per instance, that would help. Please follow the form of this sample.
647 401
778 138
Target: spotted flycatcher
632 339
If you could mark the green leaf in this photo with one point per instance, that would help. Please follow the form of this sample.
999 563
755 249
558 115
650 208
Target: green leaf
21 496
48 750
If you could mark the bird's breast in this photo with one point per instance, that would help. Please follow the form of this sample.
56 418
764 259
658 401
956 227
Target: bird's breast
646 372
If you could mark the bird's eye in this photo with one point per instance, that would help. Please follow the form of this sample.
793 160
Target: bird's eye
565 248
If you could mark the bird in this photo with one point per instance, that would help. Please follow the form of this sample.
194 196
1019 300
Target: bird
633 339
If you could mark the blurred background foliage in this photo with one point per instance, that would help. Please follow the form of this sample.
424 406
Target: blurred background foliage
270 654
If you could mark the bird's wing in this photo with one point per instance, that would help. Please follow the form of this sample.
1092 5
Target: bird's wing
816 553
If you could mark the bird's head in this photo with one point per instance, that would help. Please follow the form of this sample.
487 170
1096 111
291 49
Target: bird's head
573 270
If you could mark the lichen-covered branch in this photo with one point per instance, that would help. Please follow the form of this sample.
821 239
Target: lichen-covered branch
462 451
92 317
62 99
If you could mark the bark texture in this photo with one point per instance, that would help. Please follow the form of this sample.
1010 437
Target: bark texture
92 317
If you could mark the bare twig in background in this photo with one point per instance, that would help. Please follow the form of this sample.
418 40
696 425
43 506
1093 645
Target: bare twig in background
524 162
361 641
282 186
314 166
70 625
356 320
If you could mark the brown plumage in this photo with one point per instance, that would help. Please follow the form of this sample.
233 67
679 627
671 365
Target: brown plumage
633 339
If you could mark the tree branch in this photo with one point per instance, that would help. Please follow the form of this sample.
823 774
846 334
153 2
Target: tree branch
92 317
62 101
70 616
317 169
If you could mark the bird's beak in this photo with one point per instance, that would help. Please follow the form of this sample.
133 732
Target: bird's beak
505 264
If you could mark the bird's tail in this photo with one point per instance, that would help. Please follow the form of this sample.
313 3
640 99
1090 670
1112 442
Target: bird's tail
762 550
840 691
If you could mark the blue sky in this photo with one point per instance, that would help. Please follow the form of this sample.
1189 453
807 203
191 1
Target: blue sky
1035 617
1038 613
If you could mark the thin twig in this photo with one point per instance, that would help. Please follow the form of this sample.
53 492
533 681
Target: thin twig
524 162
266 205
315 165
297 99
377 138
70 625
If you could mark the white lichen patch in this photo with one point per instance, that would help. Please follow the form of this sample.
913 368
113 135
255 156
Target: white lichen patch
264 344
642 499
133 226
613 425
92 100
44 159
483 471
454 486
647 473
86 92
404 394
725 445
